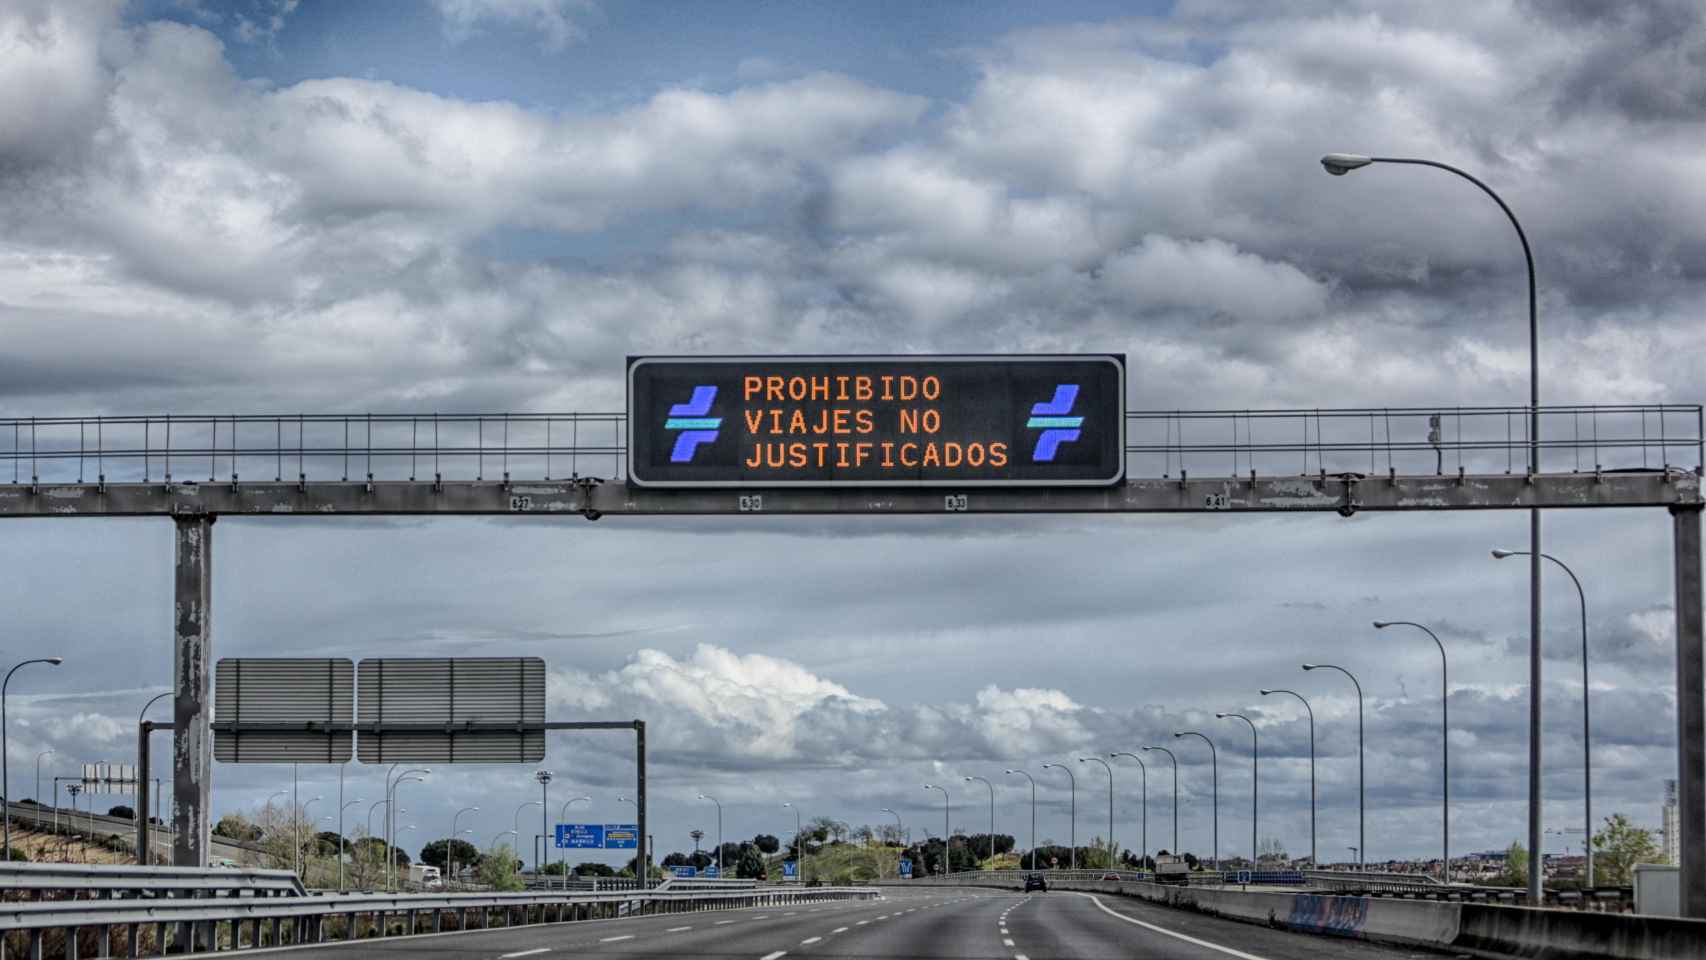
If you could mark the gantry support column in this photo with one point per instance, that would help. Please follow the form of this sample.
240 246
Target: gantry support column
1690 712
192 704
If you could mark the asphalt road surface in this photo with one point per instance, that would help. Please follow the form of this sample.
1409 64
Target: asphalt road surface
957 924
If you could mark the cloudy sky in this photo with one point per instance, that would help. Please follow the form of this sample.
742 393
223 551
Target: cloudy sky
273 205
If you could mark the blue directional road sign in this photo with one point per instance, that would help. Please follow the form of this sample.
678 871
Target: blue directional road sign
580 836
790 870
621 836
906 868
712 871
684 872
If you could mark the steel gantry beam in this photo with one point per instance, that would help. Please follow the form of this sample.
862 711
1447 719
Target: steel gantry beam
1319 493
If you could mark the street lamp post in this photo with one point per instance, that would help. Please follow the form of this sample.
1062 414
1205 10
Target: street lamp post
1214 769
5 761
1587 741
1340 164
799 843
1143 855
301 858
900 828
1033 781
1445 740
144 845
991 787
1113 848
1255 776
1362 836
947 832
719 831
544 778
1311 711
516 822
341 842
450 845
391 813
1175 760
565 816
1072 809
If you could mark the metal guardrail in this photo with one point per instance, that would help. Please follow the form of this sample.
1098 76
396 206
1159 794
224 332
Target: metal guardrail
217 923
108 881
1408 441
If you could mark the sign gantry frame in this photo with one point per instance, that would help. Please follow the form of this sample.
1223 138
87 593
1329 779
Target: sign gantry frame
1179 461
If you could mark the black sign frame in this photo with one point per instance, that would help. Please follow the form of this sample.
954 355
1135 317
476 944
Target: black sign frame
638 420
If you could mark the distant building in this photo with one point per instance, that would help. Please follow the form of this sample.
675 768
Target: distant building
1673 839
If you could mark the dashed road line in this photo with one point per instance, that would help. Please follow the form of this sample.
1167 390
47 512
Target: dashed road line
1007 943
524 953
1165 932
839 930
677 929
722 923
809 940
861 923
625 936
774 956
1020 956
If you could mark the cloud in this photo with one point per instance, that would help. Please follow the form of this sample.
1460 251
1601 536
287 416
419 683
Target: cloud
1216 277
558 23
267 26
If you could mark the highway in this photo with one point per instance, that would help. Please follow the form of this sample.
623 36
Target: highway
959 924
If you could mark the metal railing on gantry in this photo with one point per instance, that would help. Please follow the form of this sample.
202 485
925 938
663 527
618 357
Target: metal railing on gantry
1403 441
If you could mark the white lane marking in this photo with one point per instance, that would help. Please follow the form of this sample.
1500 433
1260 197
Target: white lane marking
677 929
809 940
1165 932
524 953
1007 943
722 923
625 936
793 912
1020 956
765 917
839 930
861 923
774 956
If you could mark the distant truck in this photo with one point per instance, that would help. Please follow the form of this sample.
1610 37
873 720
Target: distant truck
1171 869
425 875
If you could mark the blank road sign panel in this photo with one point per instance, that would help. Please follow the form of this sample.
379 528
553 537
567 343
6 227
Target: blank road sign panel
278 710
452 710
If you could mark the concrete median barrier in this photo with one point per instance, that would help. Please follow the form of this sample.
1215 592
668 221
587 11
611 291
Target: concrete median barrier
1476 929
1569 935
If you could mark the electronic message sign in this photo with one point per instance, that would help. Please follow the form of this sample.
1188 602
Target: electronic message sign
945 421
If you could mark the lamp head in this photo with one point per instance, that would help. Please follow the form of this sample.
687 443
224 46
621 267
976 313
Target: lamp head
1177 735
1266 692
1339 164
1500 554
1309 666
1006 771
1382 624
1220 716
701 796
56 661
